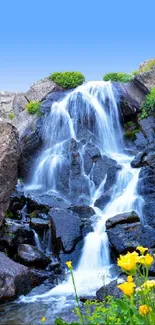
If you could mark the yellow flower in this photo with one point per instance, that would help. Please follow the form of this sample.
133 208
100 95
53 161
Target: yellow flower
128 261
149 284
43 319
144 310
69 264
127 288
142 249
129 278
147 260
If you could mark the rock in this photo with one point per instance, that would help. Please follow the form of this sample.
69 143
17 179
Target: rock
30 255
130 98
83 211
39 90
139 160
145 80
109 290
126 217
6 103
39 276
14 279
19 103
39 224
13 234
66 227
126 237
145 63
91 154
105 167
9 155
103 200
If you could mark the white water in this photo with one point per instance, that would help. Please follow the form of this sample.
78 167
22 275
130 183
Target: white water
96 103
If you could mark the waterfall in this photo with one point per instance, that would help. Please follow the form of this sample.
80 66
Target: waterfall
94 107
37 240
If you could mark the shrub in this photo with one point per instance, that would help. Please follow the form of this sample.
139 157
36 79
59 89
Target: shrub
148 107
67 80
11 115
118 76
33 108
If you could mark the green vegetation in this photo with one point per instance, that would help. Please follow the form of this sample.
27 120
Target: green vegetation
131 129
147 67
118 76
137 304
11 115
67 80
34 108
131 134
148 107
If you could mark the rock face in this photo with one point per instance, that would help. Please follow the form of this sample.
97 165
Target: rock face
145 80
9 155
109 290
14 279
30 255
39 90
126 232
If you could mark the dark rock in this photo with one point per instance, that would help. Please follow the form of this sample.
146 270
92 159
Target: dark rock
105 166
83 211
39 224
126 237
14 279
109 290
126 217
30 255
139 160
130 99
91 154
103 200
52 97
67 228
39 276
9 155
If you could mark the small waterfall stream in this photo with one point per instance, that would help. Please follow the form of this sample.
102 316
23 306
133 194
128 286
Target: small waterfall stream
94 102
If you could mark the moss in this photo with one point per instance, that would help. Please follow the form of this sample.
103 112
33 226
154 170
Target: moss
33 107
8 214
118 76
67 80
11 115
131 134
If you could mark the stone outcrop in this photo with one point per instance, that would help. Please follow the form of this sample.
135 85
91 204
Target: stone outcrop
14 279
9 155
39 90
146 80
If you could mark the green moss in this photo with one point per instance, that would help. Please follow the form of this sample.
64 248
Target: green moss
33 107
33 214
148 107
67 80
131 134
118 76
8 214
11 115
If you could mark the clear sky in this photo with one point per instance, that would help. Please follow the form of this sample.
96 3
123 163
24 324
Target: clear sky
38 37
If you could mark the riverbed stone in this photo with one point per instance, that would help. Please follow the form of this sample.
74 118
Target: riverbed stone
30 255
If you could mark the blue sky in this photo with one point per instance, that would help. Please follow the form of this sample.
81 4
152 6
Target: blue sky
94 37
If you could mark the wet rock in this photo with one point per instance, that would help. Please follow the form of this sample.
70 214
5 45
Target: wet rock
122 218
91 154
130 99
30 255
109 290
103 200
39 276
52 97
83 211
14 279
67 228
139 160
39 224
9 156
105 167
126 237
13 234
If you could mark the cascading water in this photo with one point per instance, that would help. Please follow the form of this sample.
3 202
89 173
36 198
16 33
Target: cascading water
93 108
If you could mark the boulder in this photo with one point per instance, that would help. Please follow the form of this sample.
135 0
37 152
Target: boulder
109 290
126 237
39 90
14 279
30 255
139 160
103 200
6 103
9 155
38 224
145 80
126 217
66 229
130 98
